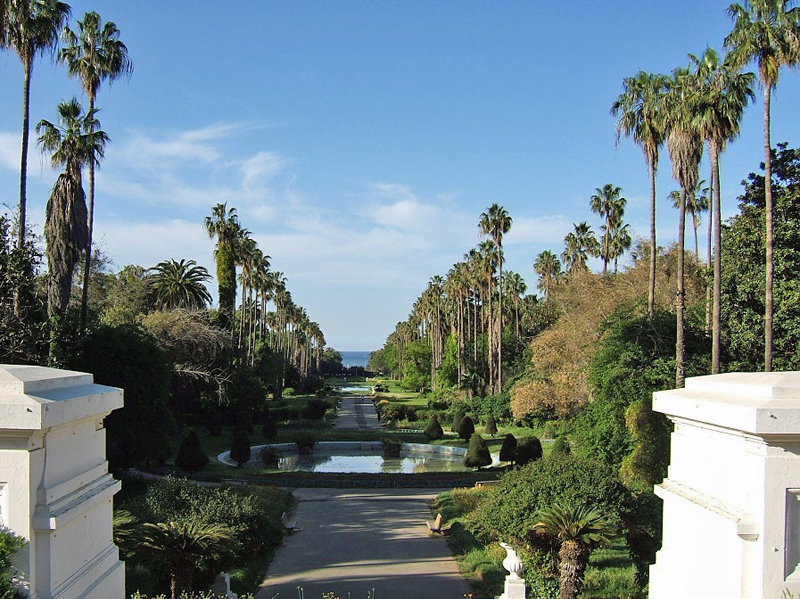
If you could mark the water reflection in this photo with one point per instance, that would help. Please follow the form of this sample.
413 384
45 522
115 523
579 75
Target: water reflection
369 463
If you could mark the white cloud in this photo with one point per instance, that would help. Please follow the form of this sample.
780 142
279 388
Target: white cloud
542 230
261 168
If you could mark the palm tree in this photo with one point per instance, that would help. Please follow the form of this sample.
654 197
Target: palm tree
724 92
548 267
496 222
33 26
94 55
179 284
767 31
685 146
184 546
224 225
607 204
72 144
696 204
580 244
639 116
576 531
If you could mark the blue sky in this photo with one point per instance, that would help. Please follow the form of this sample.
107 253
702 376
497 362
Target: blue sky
361 140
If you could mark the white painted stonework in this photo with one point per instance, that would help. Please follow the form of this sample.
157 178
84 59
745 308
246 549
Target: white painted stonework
732 495
55 489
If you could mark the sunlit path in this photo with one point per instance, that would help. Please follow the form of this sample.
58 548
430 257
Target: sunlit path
354 541
357 413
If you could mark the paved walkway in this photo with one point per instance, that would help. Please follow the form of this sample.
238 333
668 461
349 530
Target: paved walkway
357 540
357 413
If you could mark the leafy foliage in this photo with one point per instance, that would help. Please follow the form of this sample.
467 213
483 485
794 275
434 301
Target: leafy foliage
491 426
466 428
9 545
240 448
508 451
743 270
128 357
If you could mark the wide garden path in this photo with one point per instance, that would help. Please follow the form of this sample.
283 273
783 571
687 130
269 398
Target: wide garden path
357 413
353 541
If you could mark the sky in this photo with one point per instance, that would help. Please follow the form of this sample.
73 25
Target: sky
361 140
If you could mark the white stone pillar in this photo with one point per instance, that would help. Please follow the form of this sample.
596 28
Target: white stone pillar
731 497
55 489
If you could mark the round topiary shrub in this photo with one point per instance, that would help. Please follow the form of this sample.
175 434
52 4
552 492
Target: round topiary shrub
478 453
240 448
508 451
561 446
466 428
190 452
529 449
434 430
305 443
269 457
491 426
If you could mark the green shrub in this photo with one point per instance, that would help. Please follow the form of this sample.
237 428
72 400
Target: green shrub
434 430
269 457
561 446
9 545
392 448
305 442
466 428
458 416
190 452
315 409
411 414
478 453
529 449
240 449
508 451
491 426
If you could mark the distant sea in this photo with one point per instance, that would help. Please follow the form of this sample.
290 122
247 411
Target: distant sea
355 358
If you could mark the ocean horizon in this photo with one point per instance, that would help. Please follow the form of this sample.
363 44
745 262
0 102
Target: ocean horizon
355 358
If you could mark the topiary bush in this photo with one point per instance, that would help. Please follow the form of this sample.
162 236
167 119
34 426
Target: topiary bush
466 428
458 416
305 442
240 448
190 452
561 446
491 426
269 457
478 453
508 451
529 449
391 448
434 430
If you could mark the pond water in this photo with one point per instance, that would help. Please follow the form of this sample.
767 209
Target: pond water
355 389
362 457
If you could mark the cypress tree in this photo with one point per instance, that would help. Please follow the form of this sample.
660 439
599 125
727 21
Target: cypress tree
529 449
491 426
478 453
434 430
190 452
466 428
508 451
240 449
458 416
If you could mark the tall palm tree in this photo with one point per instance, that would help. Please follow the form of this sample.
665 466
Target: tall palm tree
724 92
548 267
94 55
73 143
639 116
767 31
607 202
33 26
496 222
179 284
579 245
685 146
224 225
696 204
184 546
576 531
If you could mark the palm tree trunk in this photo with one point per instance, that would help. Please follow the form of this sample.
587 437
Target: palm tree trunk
23 162
499 381
573 558
717 212
651 292
711 218
87 264
680 367
768 218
